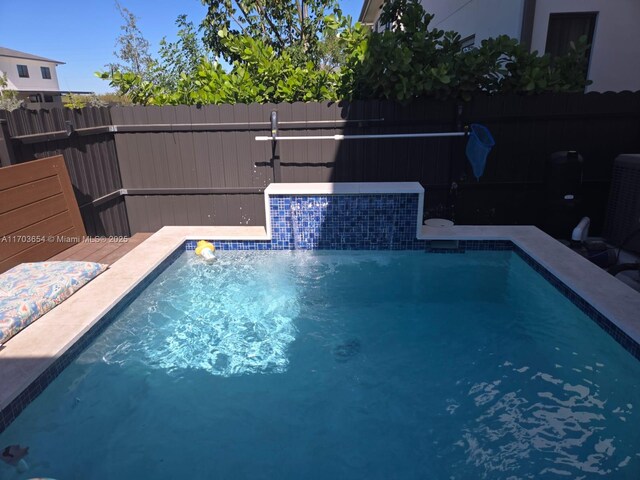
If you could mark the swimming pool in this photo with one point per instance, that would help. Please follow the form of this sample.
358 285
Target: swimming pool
297 364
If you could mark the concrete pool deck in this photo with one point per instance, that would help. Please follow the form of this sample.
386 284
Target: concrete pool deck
27 355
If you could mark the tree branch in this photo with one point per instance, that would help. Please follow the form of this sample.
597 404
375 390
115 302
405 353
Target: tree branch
300 5
270 22
245 14
237 23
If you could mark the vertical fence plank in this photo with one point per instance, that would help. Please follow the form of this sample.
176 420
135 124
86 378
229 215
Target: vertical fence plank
259 154
228 150
297 163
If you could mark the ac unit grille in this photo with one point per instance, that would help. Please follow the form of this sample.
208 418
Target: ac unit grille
623 212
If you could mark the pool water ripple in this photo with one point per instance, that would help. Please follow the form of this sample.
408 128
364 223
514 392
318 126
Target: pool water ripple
341 365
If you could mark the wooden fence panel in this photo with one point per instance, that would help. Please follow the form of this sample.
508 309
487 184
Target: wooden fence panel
90 159
163 164
527 130
201 165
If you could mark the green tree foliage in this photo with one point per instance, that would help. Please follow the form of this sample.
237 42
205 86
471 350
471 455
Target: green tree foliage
410 59
182 56
406 61
295 26
77 101
110 98
140 72
259 75
132 49
8 97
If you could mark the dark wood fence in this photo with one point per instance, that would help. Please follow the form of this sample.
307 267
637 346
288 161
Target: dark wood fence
193 166
527 130
202 166
83 137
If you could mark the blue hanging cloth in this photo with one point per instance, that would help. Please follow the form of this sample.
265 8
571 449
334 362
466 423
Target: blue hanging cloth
479 145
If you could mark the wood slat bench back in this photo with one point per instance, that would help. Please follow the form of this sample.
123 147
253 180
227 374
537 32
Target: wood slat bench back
37 208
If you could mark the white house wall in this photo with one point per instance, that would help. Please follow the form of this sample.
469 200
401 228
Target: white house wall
35 82
615 56
482 18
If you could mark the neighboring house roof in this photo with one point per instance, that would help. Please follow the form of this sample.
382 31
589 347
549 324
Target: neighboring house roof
7 52
369 12
56 92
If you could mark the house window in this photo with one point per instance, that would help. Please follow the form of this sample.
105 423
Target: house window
565 28
380 28
46 73
23 71
48 99
36 98
467 43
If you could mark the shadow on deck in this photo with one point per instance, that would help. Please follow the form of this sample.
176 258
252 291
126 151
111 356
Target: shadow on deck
101 249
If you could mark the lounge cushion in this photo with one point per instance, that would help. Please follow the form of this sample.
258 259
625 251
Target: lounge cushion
15 314
30 290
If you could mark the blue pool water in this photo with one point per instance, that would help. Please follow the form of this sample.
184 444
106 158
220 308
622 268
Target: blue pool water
341 365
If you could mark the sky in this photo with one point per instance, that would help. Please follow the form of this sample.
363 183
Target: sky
82 33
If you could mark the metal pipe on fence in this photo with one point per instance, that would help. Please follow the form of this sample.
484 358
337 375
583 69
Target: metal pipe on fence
362 137
275 148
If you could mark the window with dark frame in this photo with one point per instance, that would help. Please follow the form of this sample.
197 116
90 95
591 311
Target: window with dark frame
35 98
46 73
468 43
23 71
565 28
48 98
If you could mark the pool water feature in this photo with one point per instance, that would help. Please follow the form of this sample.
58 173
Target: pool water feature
303 364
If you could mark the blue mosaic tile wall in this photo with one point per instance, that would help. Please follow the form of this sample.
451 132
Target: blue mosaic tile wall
344 222
338 222
462 246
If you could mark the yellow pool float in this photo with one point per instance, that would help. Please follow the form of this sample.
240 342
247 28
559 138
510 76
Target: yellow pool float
205 250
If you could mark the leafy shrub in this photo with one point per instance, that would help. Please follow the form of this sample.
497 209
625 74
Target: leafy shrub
406 61
412 60
8 98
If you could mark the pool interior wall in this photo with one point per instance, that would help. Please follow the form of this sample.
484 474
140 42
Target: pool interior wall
344 216
9 413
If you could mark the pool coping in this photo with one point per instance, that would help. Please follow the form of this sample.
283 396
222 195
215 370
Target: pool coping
29 354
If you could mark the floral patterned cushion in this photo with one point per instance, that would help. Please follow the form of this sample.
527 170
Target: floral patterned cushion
30 290
15 314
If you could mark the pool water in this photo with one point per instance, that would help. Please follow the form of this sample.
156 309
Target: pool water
341 365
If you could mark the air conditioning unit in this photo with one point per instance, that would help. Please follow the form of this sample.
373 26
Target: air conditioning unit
622 224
